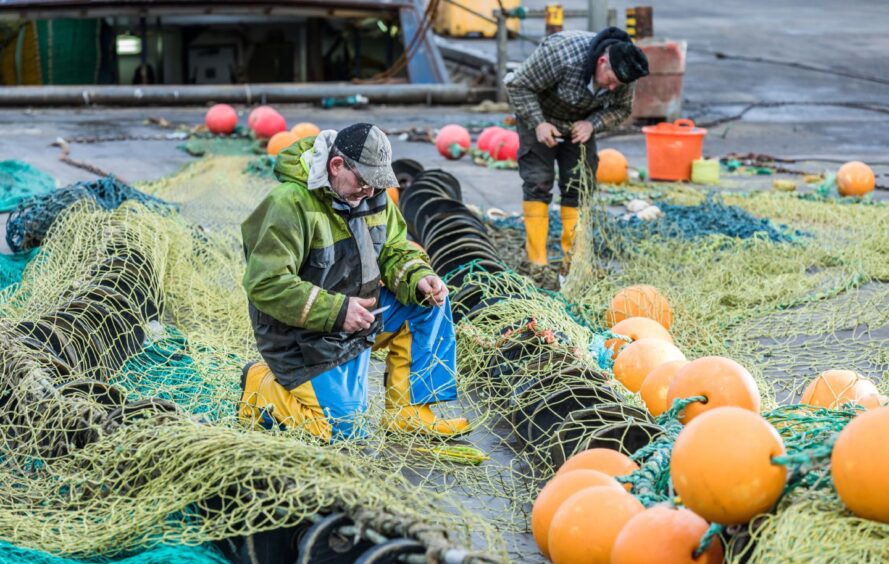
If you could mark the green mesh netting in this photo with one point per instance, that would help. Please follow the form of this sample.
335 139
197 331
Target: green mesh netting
70 51
20 181
12 554
12 267
238 143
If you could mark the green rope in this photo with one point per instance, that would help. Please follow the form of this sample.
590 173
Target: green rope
713 531
651 483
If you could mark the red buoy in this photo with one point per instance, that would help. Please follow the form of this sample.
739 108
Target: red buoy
269 123
505 146
483 143
221 119
453 141
255 113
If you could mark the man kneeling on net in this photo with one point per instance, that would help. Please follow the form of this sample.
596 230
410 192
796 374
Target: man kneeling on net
317 250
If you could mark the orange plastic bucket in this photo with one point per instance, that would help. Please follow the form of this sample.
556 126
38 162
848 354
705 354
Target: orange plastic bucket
671 148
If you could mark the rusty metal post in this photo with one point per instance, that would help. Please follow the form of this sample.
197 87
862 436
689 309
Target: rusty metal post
502 45
554 17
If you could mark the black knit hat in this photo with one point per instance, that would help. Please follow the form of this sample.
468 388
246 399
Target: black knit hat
628 62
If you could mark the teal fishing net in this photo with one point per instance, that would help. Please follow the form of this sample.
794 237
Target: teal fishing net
20 181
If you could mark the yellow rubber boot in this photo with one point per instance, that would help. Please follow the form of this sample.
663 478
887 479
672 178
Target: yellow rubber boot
569 226
266 403
536 230
420 419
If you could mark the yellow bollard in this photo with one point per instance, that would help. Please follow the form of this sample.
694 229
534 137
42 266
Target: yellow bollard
554 17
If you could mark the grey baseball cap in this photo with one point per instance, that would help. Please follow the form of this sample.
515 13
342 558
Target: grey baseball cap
369 151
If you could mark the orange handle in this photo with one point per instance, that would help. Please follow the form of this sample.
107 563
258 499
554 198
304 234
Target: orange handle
684 123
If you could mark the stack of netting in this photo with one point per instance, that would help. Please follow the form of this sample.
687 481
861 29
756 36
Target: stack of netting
110 448
555 397
28 224
60 397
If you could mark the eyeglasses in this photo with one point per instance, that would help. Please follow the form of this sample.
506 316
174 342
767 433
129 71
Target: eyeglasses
362 184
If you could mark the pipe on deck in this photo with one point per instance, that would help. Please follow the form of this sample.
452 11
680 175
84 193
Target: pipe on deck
170 95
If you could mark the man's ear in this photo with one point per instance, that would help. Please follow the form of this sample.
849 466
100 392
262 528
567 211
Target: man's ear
335 165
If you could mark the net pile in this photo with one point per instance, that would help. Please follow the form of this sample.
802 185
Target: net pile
785 310
711 217
28 223
123 346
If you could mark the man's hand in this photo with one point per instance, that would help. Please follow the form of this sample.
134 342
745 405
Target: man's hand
434 289
358 316
581 131
547 133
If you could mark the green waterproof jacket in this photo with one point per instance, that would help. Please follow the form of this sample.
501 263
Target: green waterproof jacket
307 251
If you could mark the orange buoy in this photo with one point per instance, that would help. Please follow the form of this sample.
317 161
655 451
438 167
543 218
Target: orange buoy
483 143
557 491
268 123
722 468
394 194
834 388
612 167
855 179
305 129
258 111
504 146
605 460
585 527
673 533
638 358
859 465
721 380
280 141
656 385
452 141
873 401
640 300
636 328
221 119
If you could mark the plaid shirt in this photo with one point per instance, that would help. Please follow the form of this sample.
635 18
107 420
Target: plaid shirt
549 86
